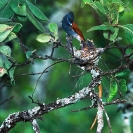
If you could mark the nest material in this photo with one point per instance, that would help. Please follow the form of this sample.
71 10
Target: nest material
90 55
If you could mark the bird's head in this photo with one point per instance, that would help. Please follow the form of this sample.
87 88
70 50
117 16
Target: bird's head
68 18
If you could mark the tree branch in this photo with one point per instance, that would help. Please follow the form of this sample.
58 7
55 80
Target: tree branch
36 112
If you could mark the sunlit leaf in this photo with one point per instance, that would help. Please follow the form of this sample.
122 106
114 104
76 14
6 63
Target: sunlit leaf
101 27
118 39
121 9
11 36
123 73
43 38
86 1
6 50
5 31
53 28
36 11
113 90
122 85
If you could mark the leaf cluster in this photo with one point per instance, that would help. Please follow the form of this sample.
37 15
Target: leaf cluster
111 12
20 11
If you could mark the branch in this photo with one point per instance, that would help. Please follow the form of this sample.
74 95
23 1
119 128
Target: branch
120 68
36 112
100 117
35 126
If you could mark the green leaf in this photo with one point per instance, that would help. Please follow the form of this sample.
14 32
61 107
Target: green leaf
123 73
43 38
122 85
121 14
121 9
36 23
128 32
18 7
82 3
36 11
17 27
97 9
11 75
101 27
6 50
1 62
115 0
86 1
118 39
3 3
22 18
11 36
111 36
6 11
29 54
100 7
6 67
113 90
2 70
53 28
10 72
5 30
3 20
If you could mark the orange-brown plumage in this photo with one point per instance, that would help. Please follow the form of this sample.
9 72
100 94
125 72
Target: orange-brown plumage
78 31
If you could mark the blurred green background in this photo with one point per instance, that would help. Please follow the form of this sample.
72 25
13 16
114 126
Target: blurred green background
58 82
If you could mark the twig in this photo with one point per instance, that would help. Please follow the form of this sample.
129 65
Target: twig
104 104
108 120
83 73
7 100
120 68
44 71
30 74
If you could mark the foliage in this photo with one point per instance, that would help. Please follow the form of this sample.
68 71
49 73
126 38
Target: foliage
14 14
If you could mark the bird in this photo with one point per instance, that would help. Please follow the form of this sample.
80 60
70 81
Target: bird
71 28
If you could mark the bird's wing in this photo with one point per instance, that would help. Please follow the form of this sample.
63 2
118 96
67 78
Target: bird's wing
77 30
